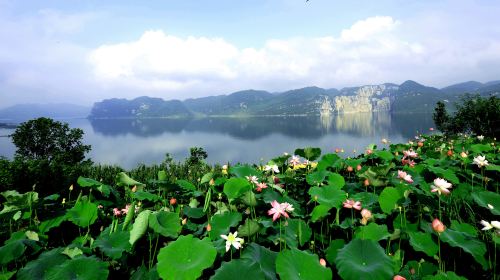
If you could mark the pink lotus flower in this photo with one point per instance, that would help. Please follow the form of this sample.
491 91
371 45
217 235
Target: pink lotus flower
116 212
398 277
125 210
438 226
279 209
349 203
261 186
409 162
295 160
322 262
404 176
369 151
410 153
441 186
366 216
252 179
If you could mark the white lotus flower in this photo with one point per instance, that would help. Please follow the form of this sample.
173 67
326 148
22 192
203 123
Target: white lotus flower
480 137
273 167
441 186
481 161
231 239
488 226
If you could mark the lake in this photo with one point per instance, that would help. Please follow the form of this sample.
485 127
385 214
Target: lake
128 142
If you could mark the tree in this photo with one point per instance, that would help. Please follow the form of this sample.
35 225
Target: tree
46 139
475 114
49 155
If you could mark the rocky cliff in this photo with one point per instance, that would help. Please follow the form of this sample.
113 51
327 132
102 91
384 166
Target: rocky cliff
376 98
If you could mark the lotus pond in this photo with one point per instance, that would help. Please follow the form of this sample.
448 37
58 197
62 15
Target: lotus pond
427 209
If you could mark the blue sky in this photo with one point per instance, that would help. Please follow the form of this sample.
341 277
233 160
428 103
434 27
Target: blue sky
84 51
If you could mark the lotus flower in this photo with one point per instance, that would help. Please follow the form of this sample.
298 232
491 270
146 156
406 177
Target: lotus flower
273 167
488 226
480 137
322 262
295 160
352 204
441 186
463 154
404 176
385 141
481 161
398 277
116 212
410 153
438 226
261 186
252 179
366 216
232 240
277 210
287 206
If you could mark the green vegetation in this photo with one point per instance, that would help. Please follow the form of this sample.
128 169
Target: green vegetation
477 115
427 209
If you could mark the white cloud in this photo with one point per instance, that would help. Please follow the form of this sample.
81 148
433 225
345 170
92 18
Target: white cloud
172 63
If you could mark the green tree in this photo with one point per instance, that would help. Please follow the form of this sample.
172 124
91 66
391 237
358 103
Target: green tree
46 139
475 114
49 155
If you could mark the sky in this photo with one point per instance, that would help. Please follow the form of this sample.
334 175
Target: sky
84 51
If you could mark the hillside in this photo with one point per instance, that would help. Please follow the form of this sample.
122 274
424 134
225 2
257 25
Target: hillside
409 97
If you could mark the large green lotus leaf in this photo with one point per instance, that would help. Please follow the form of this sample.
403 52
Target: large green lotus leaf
45 226
373 232
361 258
480 148
309 153
91 183
388 199
114 244
36 269
81 268
142 195
238 269
319 212
186 185
11 251
140 226
83 213
300 230
165 223
327 160
333 249
493 167
464 228
6 275
222 223
242 171
249 199
250 228
423 242
468 243
449 275
235 187
385 155
367 198
336 180
485 197
317 177
263 257
328 195
123 180
185 258
294 264
142 273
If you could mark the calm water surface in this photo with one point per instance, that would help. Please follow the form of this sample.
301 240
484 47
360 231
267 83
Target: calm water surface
128 142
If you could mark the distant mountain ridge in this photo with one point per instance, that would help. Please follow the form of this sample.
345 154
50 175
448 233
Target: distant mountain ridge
23 112
409 97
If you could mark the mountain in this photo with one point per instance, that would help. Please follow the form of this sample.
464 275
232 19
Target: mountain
470 86
23 112
141 107
409 97
235 103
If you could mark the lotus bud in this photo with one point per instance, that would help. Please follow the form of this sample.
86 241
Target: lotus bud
173 201
438 226
349 169
358 168
322 262
71 188
209 227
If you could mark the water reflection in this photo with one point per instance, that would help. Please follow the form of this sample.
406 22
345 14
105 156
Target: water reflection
127 142
363 124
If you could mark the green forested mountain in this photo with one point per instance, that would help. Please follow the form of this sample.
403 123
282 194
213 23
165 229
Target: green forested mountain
409 97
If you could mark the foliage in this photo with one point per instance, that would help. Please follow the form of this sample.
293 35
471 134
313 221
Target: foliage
474 114
171 221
